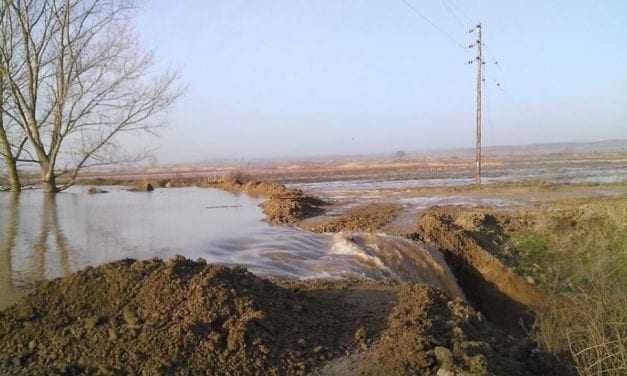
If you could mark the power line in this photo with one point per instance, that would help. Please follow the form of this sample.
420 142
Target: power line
449 9
461 11
434 25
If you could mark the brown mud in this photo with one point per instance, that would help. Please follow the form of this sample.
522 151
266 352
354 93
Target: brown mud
183 317
369 218
291 207
281 205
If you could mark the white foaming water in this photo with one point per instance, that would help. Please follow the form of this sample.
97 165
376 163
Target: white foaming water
400 259
343 244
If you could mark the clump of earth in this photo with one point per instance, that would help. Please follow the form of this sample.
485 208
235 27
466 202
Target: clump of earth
185 317
370 217
291 207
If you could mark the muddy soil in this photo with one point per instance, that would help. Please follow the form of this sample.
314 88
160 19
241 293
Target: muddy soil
282 205
368 218
182 317
291 207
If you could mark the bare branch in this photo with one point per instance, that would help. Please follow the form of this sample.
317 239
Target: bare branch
77 79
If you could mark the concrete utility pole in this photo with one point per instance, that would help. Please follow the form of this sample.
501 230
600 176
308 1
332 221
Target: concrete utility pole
479 62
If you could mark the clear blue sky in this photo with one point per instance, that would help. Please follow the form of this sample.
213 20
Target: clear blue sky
299 78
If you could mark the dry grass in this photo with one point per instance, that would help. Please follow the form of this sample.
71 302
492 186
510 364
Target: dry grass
591 326
579 249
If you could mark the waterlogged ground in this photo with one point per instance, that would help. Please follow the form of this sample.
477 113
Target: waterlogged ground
44 236
502 188
603 174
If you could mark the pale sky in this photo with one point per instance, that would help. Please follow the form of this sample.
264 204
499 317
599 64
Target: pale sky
291 78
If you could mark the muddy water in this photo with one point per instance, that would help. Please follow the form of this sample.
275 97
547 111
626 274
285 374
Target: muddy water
47 236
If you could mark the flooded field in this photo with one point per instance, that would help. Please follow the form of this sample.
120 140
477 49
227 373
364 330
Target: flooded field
605 173
44 236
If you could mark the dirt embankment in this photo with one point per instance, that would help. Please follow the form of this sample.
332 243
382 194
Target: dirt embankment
369 218
473 245
183 317
431 335
282 205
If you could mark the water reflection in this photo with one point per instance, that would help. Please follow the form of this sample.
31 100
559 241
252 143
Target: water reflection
9 236
48 236
49 244
50 227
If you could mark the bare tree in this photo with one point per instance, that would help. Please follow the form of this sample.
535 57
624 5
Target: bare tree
9 161
78 80
7 150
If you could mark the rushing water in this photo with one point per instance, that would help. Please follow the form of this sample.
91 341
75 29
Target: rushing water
47 236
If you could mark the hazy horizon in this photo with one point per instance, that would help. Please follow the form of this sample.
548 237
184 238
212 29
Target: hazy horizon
490 151
297 78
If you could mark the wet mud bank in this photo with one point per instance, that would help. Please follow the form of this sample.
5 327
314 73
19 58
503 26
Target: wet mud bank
187 317
364 218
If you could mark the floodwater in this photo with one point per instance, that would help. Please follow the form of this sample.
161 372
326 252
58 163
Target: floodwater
609 173
48 236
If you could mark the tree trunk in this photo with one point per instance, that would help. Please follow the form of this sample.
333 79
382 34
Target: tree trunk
14 179
5 150
48 179
49 185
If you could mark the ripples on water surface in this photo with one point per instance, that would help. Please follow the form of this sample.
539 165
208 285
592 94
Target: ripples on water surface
47 236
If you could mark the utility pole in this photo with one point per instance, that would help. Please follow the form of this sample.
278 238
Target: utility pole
479 62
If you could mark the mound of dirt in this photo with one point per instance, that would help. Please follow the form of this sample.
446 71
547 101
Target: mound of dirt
370 217
475 258
252 187
182 317
431 335
291 207
142 186
282 205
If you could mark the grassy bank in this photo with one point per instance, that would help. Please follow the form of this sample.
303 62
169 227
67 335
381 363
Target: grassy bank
577 250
